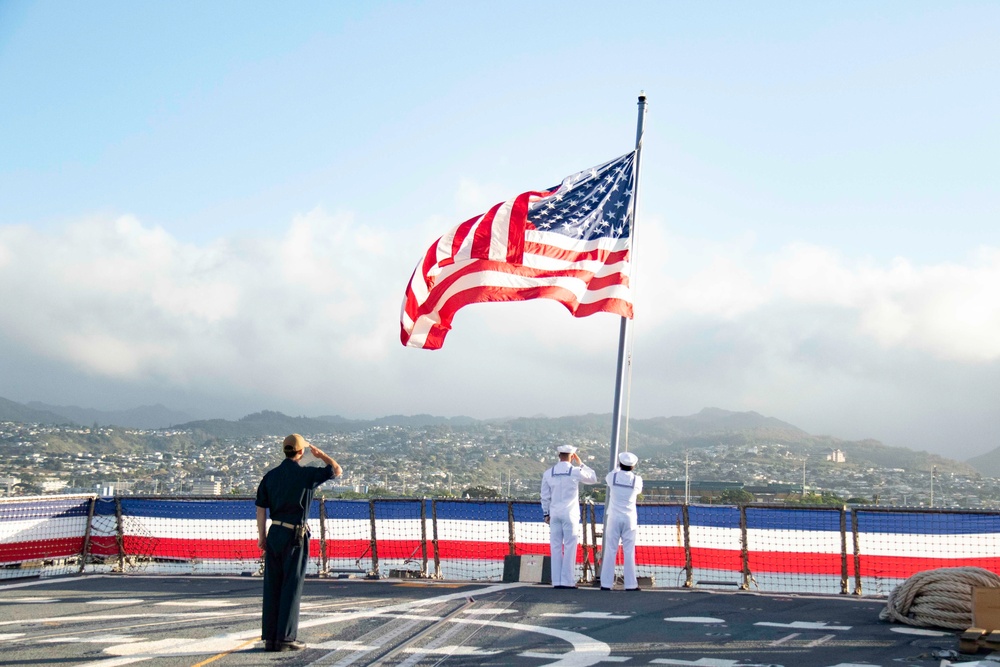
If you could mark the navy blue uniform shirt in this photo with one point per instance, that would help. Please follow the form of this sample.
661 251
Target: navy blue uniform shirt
287 490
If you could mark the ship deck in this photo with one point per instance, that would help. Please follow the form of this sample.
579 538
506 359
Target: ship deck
112 620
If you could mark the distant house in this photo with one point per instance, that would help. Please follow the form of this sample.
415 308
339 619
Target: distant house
774 491
53 485
654 490
673 490
206 487
836 456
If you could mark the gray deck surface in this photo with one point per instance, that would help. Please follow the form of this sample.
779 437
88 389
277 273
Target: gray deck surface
194 621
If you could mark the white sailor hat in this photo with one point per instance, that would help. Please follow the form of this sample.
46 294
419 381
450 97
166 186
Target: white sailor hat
566 449
628 459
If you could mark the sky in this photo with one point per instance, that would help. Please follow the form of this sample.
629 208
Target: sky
217 207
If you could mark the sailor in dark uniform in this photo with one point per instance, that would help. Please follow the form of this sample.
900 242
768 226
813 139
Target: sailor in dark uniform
286 492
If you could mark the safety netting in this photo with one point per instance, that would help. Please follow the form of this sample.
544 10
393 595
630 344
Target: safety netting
769 548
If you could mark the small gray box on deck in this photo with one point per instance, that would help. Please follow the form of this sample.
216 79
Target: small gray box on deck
532 568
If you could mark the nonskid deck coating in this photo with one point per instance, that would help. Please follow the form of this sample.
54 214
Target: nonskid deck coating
115 620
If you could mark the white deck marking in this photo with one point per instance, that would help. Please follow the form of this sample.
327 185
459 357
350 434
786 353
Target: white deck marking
779 642
381 638
694 619
923 632
585 650
32 600
114 617
804 625
587 614
700 662
486 612
196 603
337 645
11 635
819 642
450 650
405 617
549 656
96 639
117 601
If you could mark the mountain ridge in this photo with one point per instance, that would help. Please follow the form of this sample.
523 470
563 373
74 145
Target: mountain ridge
648 437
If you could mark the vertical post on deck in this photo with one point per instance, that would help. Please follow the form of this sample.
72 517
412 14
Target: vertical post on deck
85 550
437 553
744 549
857 553
374 540
423 537
511 536
688 566
324 561
120 533
844 578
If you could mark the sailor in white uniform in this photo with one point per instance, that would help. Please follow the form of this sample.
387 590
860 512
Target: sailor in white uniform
561 507
621 522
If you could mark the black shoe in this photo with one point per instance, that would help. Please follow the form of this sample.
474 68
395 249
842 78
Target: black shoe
269 646
634 589
293 645
564 587
603 588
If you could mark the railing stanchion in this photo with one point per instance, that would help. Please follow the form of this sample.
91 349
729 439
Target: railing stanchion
374 540
688 567
595 548
423 537
437 554
511 536
85 549
744 549
857 553
120 533
324 562
844 577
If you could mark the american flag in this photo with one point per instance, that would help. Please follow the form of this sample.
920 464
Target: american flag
569 243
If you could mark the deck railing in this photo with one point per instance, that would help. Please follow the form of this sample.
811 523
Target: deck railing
771 548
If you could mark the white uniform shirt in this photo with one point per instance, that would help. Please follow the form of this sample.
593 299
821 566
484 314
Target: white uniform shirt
625 487
561 489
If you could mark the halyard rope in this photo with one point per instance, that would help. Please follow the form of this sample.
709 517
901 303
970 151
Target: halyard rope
939 598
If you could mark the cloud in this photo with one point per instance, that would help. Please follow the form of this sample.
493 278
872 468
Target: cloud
949 311
306 321
114 297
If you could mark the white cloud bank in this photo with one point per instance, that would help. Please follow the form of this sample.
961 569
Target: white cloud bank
307 323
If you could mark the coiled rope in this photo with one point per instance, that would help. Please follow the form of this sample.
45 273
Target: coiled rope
938 598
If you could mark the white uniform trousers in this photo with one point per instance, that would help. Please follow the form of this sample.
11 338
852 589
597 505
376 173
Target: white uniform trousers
619 528
563 540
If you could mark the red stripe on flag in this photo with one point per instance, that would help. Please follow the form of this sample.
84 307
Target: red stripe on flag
482 239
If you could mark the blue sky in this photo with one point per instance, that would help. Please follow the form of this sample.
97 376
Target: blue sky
217 206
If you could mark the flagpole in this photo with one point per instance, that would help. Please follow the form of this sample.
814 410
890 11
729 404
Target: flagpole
626 322
623 331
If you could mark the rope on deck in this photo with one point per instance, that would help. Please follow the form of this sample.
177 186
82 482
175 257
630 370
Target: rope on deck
939 598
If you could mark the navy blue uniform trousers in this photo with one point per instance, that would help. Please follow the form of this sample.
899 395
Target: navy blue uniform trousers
284 572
